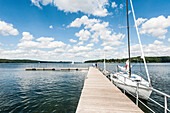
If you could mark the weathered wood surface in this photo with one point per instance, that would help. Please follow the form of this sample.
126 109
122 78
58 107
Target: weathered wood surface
99 95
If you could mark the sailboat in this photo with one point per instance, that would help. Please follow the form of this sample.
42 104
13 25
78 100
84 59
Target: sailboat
72 62
128 81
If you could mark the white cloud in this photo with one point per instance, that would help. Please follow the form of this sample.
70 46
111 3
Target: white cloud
83 34
42 42
96 29
79 48
99 26
109 48
54 44
139 21
59 50
135 48
83 20
36 2
129 11
51 27
73 41
26 36
18 51
113 40
68 46
155 49
168 39
45 39
28 44
156 26
80 43
156 42
7 29
109 43
96 8
121 6
114 5
90 45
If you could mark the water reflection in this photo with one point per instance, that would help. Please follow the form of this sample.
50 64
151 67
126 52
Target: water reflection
55 91
39 91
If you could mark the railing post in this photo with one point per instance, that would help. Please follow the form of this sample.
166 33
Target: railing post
137 94
165 104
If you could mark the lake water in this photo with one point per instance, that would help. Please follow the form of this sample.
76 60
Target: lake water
59 91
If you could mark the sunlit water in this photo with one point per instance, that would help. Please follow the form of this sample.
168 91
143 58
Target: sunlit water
59 91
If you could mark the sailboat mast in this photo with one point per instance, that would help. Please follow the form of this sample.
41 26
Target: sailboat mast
128 36
143 56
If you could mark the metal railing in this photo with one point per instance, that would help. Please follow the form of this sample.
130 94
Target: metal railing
151 88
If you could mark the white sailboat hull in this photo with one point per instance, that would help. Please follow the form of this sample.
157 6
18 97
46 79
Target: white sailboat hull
131 86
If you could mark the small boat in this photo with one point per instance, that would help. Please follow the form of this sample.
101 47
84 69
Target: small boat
128 81
72 62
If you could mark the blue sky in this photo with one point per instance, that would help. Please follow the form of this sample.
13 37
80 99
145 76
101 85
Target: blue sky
81 29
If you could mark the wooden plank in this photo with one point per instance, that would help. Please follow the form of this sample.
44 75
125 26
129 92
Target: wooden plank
99 95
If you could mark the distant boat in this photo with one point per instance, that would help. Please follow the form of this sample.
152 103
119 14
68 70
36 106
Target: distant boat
128 81
72 62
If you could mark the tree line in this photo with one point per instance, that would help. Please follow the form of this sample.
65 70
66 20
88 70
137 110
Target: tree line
164 59
29 61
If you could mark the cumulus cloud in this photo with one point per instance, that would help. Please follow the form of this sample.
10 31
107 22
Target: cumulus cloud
7 29
26 36
139 21
28 44
114 5
42 42
96 8
52 44
83 34
157 48
113 40
73 41
59 50
80 43
157 42
156 26
84 20
90 45
109 48
51 27
36 2
79 48
45 39
168 39
96 29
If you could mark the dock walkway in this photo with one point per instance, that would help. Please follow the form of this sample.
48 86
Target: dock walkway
99 95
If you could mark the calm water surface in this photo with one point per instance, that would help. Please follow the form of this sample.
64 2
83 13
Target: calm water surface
56 91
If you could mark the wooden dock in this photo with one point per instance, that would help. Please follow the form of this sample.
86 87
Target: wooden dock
57 69
99 95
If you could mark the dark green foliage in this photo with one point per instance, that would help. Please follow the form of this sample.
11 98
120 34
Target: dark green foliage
29 61
163 59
